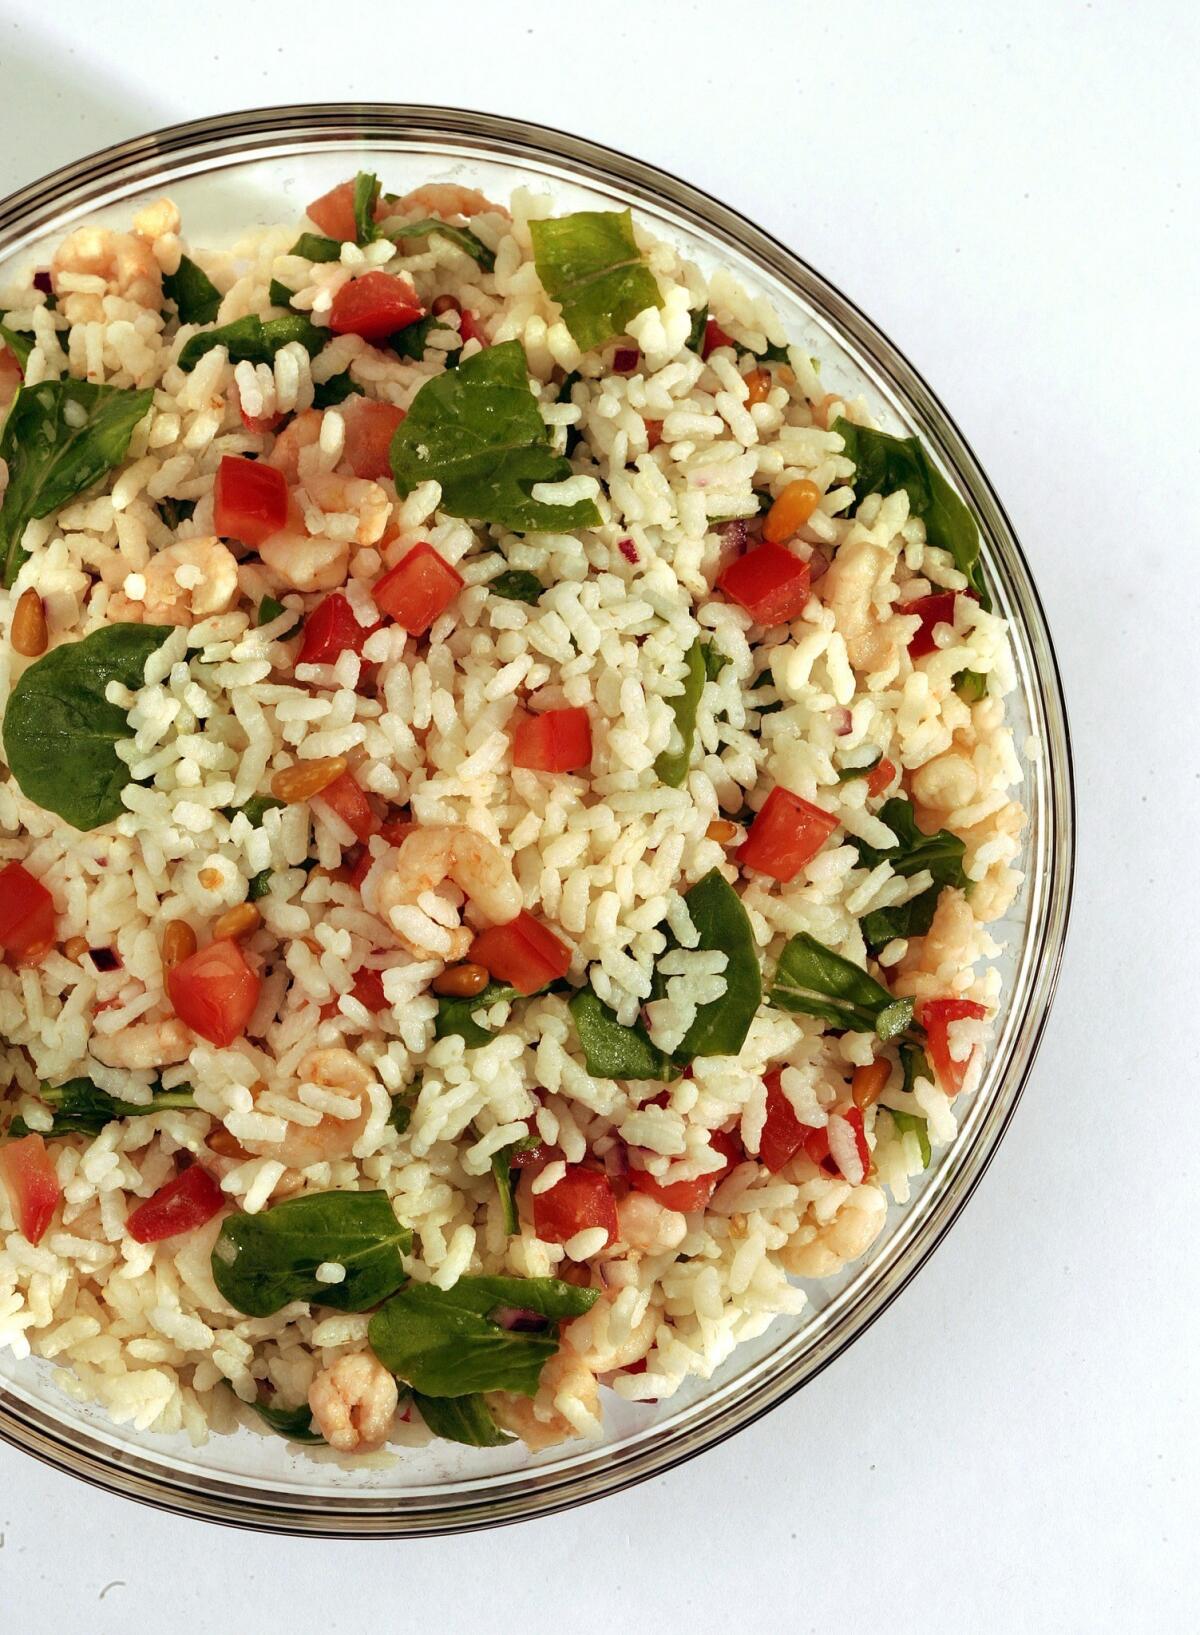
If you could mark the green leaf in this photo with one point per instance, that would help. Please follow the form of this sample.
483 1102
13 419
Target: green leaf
477 431
251 340
517 586
672 764
769 354
59 438
503 1171
82 1108
461 1419
269 609
261 1262
695 340
19 344
173 512
971 686
61 733
193 292
849 773
883 464
914 1064
611 1050
279 294
316 247
919 1126
366 191
590 264
815 981
257 807
910 919
714 660
456 1017
721 1026
403 1103
940 853
444 1343
327 394
460 236
293 1423
410 342
259 887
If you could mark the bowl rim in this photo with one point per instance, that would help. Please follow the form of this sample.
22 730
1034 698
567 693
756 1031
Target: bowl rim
131 163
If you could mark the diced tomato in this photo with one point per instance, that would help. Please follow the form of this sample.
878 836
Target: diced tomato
782 1134
395 831
375 306
934 610
523 953
848 1147
185 1203
348 800
250 500
259 422
333 213
214 992
28 1172
370 427
26 914
936 1017
714 336
470 328
785 835
654 432
555 741
769 582
687 1196
329 630
880 777
419 588
368 989
582 1199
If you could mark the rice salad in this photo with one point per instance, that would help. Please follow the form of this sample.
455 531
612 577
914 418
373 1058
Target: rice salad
505 788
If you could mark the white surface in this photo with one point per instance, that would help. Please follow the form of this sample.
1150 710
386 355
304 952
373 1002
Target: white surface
1007 191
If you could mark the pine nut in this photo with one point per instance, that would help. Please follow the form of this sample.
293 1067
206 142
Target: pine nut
460 981
178 943
867 1084
791 510
75 948
30 637
224 1144
307 778
242 920
721 830
759 383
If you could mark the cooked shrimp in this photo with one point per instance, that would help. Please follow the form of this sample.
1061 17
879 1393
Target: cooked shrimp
591 1338
157 220
426 857
187 581
303 561
10 378
946 782
649 1227
820 1250
109 263
933 961
447 199
334 1136
143 1045
332 493
354 1403
539 1420
301 432
849 588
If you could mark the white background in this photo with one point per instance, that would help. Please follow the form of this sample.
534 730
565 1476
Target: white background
1009 191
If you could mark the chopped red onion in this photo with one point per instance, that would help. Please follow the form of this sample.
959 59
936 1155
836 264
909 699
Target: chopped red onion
734 533
818 566
105 959
519 1321
628 550
625 360
839 717
41 281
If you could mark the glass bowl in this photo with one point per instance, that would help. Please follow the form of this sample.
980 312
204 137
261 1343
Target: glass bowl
262 167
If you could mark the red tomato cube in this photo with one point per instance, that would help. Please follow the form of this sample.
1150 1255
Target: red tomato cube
370 427
581 1200
375 306
329 630
880 777
470 328
783 1135
933 610
214 992
348 800
769 582
27 921
28 1173
714 336
333 213
185 1203
523 953
417 589
368 989
785 835
687 1196
556 741
250 500
936 1017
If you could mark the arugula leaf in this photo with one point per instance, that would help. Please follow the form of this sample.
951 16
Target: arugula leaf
882 464
403 1103
18 343
815 981
316 247
410 341
849 773
460 236
769 353
672 765
61 733
59 438
940 853
444 1343
268 609
327 394
914 1064
590 264
503 1170
366 191
193 292
279 294
919 1126
695 340
721 1026
910 919
173 512
251 340
461 1419
517 586
574 433
971 686
293 1423
261 1262
82 1108
256 809
611 1050
456 1017
714 660
259 887
477 431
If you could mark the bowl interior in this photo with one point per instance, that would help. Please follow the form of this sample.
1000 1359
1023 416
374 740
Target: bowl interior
247 170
